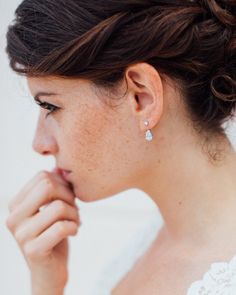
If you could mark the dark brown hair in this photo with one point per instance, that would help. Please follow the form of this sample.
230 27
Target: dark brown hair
192 42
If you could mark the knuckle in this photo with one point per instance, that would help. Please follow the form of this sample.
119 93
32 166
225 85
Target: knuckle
74 231
19 237
49 185
59 207
10 223
30 251
61 228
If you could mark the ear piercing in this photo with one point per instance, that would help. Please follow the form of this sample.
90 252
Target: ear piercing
148 134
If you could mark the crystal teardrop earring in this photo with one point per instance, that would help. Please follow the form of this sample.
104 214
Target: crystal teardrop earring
148 135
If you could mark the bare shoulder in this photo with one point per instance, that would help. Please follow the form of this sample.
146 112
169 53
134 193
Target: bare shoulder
179 267
133 281
122 288
117 290
127 283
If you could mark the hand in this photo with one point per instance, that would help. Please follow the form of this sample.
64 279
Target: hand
42 216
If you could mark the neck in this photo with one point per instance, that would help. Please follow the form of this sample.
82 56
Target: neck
195 196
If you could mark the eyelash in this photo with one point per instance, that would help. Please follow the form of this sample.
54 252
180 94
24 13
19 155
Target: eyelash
47 106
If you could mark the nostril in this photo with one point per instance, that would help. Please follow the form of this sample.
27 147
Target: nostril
45 153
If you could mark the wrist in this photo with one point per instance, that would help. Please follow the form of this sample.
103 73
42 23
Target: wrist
47 287
39 291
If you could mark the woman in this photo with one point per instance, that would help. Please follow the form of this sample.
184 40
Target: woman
134 94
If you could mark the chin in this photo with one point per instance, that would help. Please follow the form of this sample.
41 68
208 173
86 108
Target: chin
92 190
97 195
85 198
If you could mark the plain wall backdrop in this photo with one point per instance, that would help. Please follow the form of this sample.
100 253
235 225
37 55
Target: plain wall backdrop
108 225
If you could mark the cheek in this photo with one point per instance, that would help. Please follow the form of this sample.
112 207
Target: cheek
101 149
86 140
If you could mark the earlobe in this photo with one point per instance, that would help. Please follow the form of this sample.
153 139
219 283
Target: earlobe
146 89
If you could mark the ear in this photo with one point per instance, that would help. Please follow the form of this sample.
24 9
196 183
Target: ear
146 93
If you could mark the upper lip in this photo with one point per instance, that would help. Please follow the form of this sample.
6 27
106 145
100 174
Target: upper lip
61 169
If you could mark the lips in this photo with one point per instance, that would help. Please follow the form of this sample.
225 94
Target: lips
64 173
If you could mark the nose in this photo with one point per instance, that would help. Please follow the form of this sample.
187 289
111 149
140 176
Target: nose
44 143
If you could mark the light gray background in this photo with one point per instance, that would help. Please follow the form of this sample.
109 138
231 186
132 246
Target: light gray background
108 225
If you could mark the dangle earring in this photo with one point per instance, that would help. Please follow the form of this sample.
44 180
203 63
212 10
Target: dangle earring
148 135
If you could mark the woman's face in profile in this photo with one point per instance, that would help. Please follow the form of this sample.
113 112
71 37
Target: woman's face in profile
98 144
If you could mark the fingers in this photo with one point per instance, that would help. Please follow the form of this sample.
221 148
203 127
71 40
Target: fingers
23 192
44 192
31 184
42 215
50 238
37 224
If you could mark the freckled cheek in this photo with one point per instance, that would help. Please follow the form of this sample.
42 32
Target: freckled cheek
85 143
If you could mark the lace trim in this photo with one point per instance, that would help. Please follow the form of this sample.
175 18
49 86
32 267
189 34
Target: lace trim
219 280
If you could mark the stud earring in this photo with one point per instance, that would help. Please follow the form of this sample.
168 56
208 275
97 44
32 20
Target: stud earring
148 135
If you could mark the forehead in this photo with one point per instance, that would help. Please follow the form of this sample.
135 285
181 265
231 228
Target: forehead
56 85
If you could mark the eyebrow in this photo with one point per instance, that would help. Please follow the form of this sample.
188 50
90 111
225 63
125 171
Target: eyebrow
37 96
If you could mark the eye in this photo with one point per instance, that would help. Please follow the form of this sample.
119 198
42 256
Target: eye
47 106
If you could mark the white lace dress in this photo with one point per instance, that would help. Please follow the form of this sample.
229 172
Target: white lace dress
220 279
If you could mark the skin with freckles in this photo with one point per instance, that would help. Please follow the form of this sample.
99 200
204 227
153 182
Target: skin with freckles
104 148
107 153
